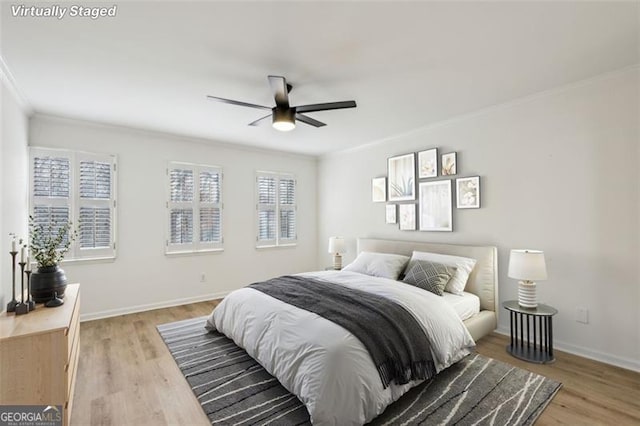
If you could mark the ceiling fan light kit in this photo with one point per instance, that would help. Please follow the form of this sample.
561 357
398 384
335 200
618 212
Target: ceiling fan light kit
283 116
284 119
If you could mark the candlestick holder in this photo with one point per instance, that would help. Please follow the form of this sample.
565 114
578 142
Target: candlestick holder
22 308
30 302
11 306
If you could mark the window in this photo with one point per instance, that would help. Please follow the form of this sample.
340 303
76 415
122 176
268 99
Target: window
276 209
194 208
77 187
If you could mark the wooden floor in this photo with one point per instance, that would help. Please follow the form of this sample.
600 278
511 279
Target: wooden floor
126 376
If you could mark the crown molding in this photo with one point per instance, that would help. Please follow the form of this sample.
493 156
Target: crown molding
10 83
634 68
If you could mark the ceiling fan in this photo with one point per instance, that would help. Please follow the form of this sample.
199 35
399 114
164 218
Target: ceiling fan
283 116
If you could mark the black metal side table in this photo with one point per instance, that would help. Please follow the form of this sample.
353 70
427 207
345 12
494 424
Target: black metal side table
534 324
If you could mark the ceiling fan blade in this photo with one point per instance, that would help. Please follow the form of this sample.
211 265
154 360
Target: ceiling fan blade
232 102
310 121
259 120
280 90
326 106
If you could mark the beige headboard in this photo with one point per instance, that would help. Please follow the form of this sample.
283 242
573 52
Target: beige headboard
483 280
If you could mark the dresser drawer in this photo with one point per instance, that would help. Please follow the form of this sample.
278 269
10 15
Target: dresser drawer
74 328
72 364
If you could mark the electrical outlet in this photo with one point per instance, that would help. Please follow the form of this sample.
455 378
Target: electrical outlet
582 315
203 278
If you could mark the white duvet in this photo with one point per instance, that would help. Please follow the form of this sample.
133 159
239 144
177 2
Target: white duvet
323 364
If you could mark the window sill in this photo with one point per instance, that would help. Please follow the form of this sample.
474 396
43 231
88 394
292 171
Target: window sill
193 252
279 246
85 260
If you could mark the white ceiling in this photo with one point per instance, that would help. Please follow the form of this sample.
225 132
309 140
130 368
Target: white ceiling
406 64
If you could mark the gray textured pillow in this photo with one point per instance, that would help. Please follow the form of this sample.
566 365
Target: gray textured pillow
429 275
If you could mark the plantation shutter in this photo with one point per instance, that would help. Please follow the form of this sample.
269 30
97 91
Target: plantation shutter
210 188
276 209
181 196
195 208
96 205
51 190
266 194
75 187
51 176
287 198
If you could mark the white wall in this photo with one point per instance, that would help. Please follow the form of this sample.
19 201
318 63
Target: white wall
559 173
142 276
13 180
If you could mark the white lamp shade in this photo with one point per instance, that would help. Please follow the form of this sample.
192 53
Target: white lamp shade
336 245
527 265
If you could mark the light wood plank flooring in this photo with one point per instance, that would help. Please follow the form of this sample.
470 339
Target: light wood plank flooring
126 376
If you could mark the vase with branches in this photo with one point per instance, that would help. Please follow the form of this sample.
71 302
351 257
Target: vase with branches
49 244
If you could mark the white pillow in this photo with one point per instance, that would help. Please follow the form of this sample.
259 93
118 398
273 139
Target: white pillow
464 267
378 264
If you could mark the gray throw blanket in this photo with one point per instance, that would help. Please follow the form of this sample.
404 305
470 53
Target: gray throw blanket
395 340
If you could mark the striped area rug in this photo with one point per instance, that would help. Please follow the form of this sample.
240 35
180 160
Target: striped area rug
234 389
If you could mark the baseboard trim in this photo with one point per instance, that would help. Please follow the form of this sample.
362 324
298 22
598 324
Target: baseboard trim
622 362
151 306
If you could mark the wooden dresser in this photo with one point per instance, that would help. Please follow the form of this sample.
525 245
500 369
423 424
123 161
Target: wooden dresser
39 354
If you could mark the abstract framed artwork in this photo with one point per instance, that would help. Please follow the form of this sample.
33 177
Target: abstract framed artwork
407 217
435 206
391 214
468 192
449 166
402 177
379 190
428 163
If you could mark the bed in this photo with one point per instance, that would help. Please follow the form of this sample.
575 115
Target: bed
483 281
327 367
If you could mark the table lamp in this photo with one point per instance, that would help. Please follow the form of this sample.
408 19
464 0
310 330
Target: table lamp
337 247
527 266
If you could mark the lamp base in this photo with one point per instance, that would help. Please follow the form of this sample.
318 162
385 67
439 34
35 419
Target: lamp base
337 262
527 294
11 306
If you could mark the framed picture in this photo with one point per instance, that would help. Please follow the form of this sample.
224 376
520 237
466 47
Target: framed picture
379 190
448 163
391 213
402 177
435 206
407 217
468 192
428 163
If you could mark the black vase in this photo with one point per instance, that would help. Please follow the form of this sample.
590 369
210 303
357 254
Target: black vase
47 280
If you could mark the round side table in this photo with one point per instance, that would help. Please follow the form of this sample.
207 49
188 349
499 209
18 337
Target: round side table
531 332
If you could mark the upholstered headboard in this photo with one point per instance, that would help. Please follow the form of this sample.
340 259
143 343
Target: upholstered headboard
483 280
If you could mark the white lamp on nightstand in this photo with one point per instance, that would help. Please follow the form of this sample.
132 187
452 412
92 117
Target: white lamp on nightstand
336 248
527 266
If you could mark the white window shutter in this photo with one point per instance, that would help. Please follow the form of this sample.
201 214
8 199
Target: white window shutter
210 225
210 189
51 176
287 198
95 180
181 226
276 209
95 211
51 218
77 187
95 228
195 208
181 181
266 196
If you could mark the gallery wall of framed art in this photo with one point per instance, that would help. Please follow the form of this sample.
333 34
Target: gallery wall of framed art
417 196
